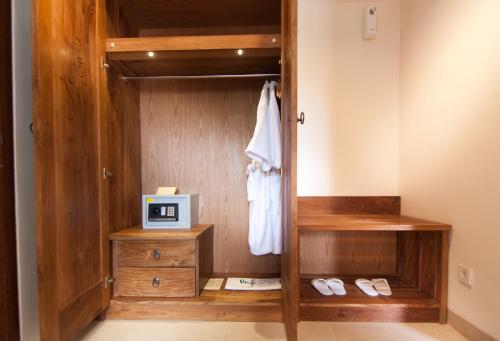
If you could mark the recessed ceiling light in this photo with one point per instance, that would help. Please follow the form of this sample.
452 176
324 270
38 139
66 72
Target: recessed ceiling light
240 52
151 54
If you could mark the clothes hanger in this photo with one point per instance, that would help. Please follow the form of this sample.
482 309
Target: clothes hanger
278 89
276 79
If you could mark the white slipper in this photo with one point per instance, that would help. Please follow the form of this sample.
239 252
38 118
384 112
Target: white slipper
322 286
382 286
366 286
337 286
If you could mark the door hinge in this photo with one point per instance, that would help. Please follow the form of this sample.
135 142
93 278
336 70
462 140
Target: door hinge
104 63
106 174
108 281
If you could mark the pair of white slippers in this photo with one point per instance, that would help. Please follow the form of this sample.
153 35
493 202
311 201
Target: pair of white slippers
375 287
335 286
329 287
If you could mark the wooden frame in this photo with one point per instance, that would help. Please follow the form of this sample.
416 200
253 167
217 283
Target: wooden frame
68 180
76 126
419 278
290 275
194 55
194 43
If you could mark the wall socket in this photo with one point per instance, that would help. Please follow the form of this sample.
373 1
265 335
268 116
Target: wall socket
465 275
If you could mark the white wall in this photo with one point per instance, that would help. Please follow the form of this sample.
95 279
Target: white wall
450 139
23 163
349 90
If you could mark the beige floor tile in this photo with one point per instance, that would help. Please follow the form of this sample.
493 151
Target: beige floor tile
316 331
394 332
250 331
111 330
157 331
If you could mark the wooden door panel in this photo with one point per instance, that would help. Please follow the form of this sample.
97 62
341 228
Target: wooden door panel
290 254
67 176
120 141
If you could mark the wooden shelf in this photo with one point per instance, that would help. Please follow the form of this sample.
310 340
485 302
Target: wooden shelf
194 43
367 222
159 234
195 55
407 304
218 305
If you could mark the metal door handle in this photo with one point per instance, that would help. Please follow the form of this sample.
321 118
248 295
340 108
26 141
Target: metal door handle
302 118
156 282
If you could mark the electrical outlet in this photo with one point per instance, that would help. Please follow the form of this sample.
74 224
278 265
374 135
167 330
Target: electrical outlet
465 275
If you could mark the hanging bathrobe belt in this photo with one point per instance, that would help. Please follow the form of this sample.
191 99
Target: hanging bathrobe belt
256 164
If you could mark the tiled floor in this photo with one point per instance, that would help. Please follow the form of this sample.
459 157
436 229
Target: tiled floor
315 331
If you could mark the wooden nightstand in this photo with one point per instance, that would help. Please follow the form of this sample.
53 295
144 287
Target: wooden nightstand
162 263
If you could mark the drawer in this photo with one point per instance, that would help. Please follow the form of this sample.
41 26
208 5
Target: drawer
168 253
156 282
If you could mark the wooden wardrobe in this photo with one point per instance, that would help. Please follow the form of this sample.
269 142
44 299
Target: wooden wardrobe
110 125
130 95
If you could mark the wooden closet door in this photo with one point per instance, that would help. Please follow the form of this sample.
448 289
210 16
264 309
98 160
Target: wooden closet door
290 256
67 174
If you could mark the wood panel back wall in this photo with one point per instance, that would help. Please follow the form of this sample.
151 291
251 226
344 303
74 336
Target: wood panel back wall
123 133
348 253
194 133
217 30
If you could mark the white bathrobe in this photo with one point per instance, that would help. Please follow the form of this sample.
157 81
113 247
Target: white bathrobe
264 178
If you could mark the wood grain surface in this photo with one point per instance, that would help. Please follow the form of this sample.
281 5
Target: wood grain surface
369 242
348 205
210 30
408 251
196 13
119 141
9 321
138 233
169 253
290 265
202 64
424 313
67 174
348 252
442 276
367 222
124 153
194 43
218 305
408 303
198 51
173 282
213 310
418 278
205 259
194 134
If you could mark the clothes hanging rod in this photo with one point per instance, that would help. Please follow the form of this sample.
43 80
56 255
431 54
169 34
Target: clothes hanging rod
253 75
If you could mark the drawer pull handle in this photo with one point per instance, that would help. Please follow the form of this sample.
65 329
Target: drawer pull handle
156 254
156 282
